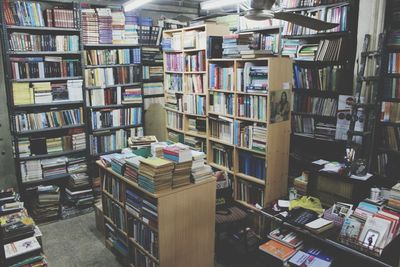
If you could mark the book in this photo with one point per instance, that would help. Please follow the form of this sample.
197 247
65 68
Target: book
302 258
277 250
250 193
221 103
214 47
390 112
286 237
319 225
116 118
21 247
220 78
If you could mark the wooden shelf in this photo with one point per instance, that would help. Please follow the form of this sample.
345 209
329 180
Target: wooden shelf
222 168
247 205
52 155
258 94
113 86
111 65
44 53
204 135
54 178
41 28
250 119
116 128
219 141
173 72
251 150
250 178
195 115
174 110
112 198
175 130
221 91
46 79
144 250
110 45
115 106
223 115
194 50
318 35
60 104
195 72
108 219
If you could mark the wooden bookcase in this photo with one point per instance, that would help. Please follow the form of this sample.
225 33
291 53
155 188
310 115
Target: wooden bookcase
277 137
183 116
186 221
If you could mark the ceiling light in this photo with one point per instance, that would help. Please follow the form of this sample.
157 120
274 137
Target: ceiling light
133 4
214 4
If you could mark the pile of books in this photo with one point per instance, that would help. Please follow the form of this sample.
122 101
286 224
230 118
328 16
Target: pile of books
47 205
152 54
394 197
325 131
153 88
105 25
157 149
54 167
31 170
200 171
90 26
234 44
20 237
131 27
78 195
155 174
132 168
262 45
77 165
118 26
78 141
182 157
139 141
301 183
132 96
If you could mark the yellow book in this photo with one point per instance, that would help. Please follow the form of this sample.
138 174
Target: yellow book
22 94
156 162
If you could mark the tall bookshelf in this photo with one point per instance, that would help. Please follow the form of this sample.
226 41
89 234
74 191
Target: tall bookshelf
387 148
113 81
245 141
319 80
185 83
47 88
181 233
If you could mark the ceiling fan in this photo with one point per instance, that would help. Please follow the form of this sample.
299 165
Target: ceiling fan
271 9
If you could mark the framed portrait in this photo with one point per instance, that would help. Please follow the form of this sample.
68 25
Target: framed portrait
280 105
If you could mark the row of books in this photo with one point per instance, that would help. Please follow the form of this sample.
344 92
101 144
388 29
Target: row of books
150 34
387 164
117 239
152 54
175 120
252 79
115 96
51 119
221 128
392 88
391 137
234 44
320 79
337 15
173 82
42 145
194 40
220 77
174 62
308 3
261 45
98 77
196 83
47 67
20 41
394 38
152 72
394 63
112 56
116 213
194 104
173 42
26 13
250 135
21 238
116 118
390 112
174 101
197 124
196 62
252 165
79 196
254 107
153 88
221 103
303 125
46 92
249 193
326 50
315 105
108 142
222 155
144 236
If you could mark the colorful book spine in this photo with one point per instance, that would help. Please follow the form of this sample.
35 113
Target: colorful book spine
116 118
220 78
108 142
175 120
221 103
254 107
98 77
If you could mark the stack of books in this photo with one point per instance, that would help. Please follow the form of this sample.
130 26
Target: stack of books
105 25
289 47
390 112
182 157
47 205
77 165
262 45
24 252
54 167
155 174
132 168
74 88
394 197
200 171
234 44
133 202
23 94
154 88
131 28
31 170
90 26
140 141
79 196
132 96
157 149
42 92
301 183
252 165
54 145
78 141
118 26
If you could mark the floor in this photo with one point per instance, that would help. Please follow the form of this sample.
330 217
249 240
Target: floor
76 242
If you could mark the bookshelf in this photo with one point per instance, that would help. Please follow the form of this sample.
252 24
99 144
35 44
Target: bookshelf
387 146
323 64
178 211
243 134
112 68
185 83
42 63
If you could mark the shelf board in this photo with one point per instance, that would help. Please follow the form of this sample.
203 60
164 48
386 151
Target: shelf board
41 28
333 141
154 95
271 28
175 130
174 92
250 178
110 45
318 35
223 115
111 65
106 153
391 100
191 133
222 59
36 53
113 199
53 129
172 51
247 205
246 93
250 119
196 93
263 153
219 141
313 115
108 219
221 91
115 106
116 128
112 86
52 155
194 49
52 179
49 105
153 80
148 254
174 72
47 79
222 168
195 72
195 115
174 110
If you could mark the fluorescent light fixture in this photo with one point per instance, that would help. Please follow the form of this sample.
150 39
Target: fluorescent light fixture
215 4
133 4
